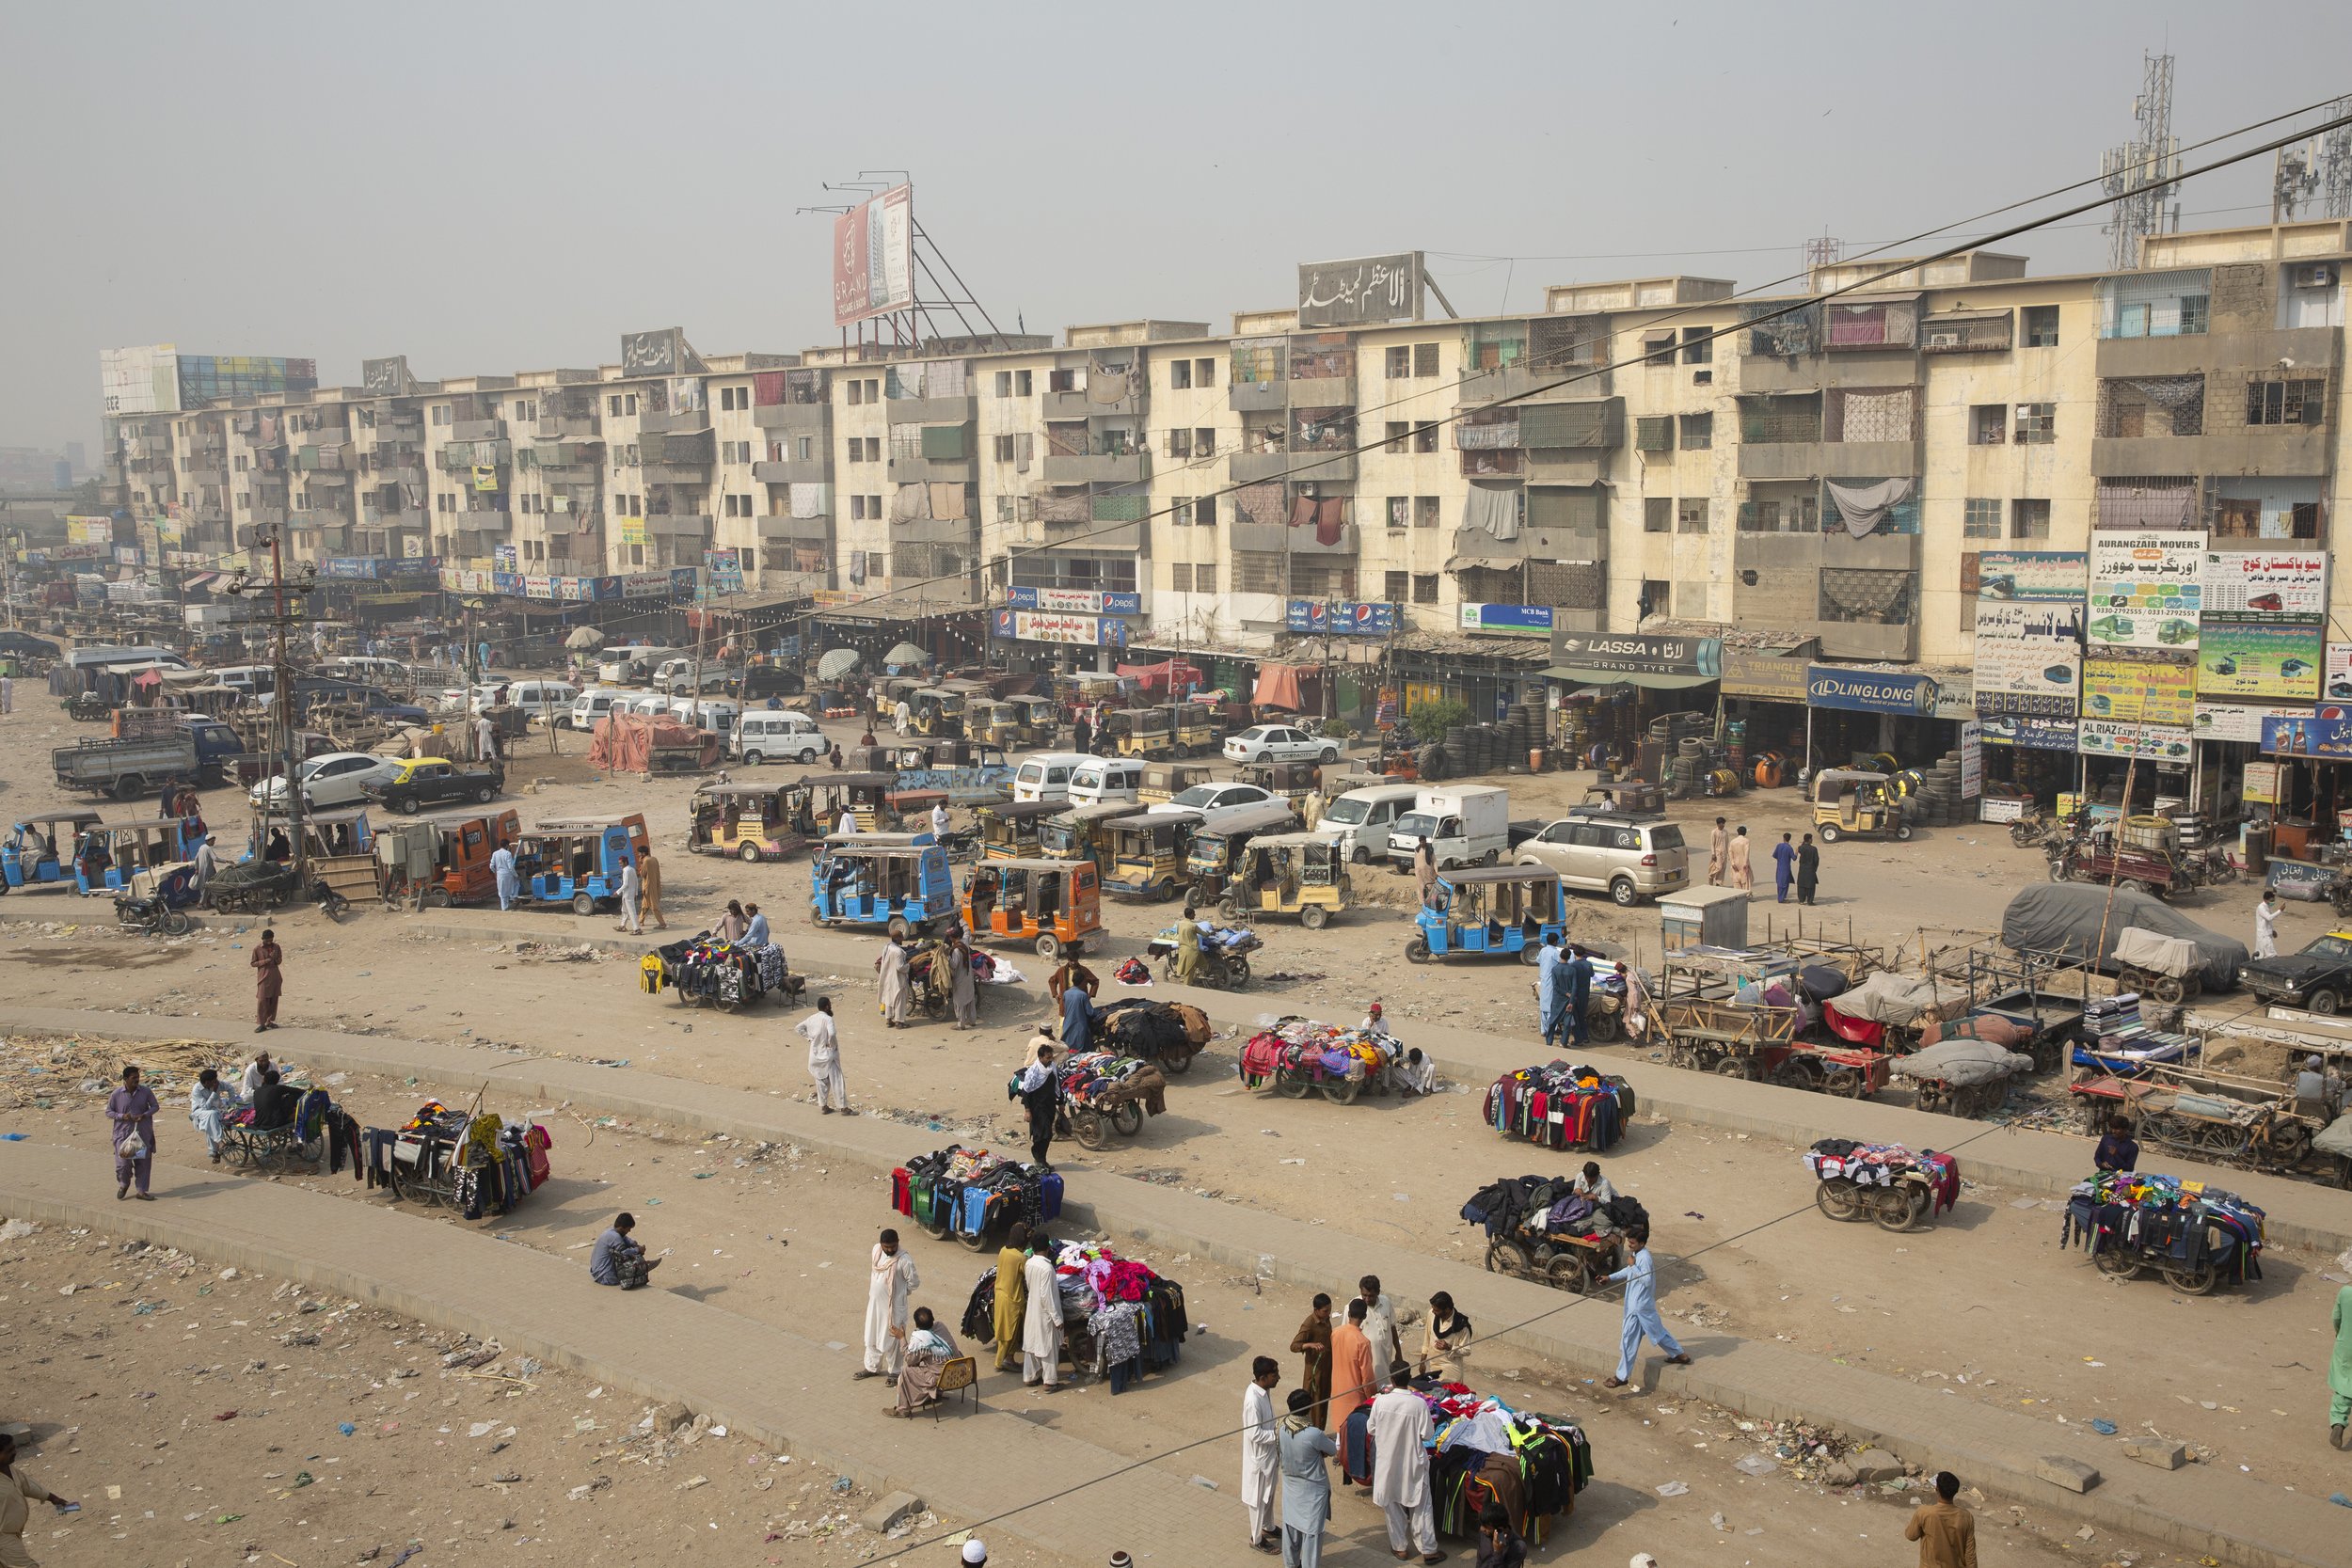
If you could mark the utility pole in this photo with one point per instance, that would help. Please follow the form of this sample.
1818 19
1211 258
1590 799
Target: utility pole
285 715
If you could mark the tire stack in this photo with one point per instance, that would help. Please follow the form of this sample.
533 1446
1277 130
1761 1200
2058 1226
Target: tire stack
1429 763
1936 804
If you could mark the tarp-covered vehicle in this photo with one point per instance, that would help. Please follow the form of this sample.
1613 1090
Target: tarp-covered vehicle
2066 921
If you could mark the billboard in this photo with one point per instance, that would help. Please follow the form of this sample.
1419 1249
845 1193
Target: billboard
2257 658
2119 688
1632 653
873 257
144 380
2034 735
1831 686
2102 738
2233 721
2147 587
2028 659
662 353
1364 291
2308 738
2031 574
1767 677
2266 585
1074 601
388 377
1340 618
2337 681
1023 625
1506 617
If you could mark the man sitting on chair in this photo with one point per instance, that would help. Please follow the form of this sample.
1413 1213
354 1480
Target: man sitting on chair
929 1348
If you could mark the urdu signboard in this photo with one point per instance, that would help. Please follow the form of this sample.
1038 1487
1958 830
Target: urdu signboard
1365 291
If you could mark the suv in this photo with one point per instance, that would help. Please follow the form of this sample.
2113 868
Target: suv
1628 857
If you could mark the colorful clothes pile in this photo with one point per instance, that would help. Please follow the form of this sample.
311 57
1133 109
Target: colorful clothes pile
1882 1165
1101 1080
969 1192
2171 1221
1132 972
492 1162
716 970
1303 1048
1135 1320
1561 1106
1485 1451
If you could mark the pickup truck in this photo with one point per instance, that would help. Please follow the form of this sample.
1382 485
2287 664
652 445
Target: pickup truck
197 749
436 782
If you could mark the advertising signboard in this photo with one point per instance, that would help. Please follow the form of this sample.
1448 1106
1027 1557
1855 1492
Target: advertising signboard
2033 734
1361 293
1766 676
2268 659
1831 686
2239 721
873 257
1633 654
2303 737
2266 585
1026 626
2147 587
2148 689
1074 601
1514 618
2032 574
2029 659
2102 738
1341 618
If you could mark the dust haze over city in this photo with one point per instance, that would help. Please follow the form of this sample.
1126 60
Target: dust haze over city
970 785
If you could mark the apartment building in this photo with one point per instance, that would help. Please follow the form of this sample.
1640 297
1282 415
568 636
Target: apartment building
1796 469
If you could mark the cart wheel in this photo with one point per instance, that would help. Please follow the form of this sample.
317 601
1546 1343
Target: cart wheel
2140 885
1417 950
1290 1086
2167 988
1127 1121
2059 870
897 929
2197 1281
1891 1207
1239 973
1343 1091
1048 946
977 1241
938 1225
1566 1271
1508 1258
1604 1027
2117 1264
1179 1062
1533 953
1846 1081
1735 1067
1087 1126
1836 1197
1314 917
1933 1096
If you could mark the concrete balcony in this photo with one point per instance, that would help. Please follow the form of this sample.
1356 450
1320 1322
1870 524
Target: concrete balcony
312 518
694 449
571 473
1256 397
568 427
1131 468
1811 553
1518 381
213 477
1812 374
674 422
1323 392
1275 537
928 471
1551 542
933 410
1065 406
675 473
2312 348
681 525
1832 460
1323 467
817 470
777 529
806 419
1898 643
937 531
478 430
327 476
1256 467
2279 450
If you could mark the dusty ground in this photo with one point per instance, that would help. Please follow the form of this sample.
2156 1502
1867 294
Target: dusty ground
2248 1394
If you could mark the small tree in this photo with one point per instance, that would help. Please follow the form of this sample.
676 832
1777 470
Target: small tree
1430 721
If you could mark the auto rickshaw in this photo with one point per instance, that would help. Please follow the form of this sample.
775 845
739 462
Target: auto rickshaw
1215 851
1164 781
340 847
1079 833
1009 829
108 855
998 723
437 862
1300 874
938 712
886 881
1148 853
1195 729
751 822
1294 782
39 849
1848 803
579 860
1490 912
1054 905
1038 720
1149 732
865 795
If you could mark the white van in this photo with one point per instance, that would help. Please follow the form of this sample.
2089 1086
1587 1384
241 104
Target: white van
252 679
781 735
537 699
632 662
390 674
1101 780
675 675
717 715
590 703
1358 822
1045 775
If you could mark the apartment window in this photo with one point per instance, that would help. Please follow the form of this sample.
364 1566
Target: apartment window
1400 512
1400 432
1424 359
857 508
1205 373
1654 433
874 507
804 448
1004 446
1205 577
2285 402
1061 381
1698 432
245 501
1424 588
1657 348
629 402
1205 440
531 411
240 462
1426 435
1179 576
440 412
857 393
726 399
1980 519
1657 514
1004 384
1020 384
1690 517
1424 512
637 555
1988 424
1653 599
2030 519
1177 443
445 504
1399 361
2037 423
2042 326
1698 345
1180 376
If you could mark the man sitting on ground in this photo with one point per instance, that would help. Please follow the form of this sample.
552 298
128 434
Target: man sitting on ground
618 1260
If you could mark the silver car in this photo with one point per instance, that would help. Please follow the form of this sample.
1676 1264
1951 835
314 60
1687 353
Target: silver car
1629 858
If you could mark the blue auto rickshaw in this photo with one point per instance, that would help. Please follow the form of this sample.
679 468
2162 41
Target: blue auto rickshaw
579 860
1488 912
898 882
109 854
40 849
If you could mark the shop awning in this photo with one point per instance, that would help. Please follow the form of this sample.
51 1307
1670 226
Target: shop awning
1656 680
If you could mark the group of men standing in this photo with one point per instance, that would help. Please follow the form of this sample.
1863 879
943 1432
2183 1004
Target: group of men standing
1564 988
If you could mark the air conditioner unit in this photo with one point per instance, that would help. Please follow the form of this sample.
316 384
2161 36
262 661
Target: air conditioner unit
2320 275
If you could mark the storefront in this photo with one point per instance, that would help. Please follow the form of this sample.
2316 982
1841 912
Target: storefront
1063 630
871 628
1607 686
1763 696
1495 661
2301 803
1859 717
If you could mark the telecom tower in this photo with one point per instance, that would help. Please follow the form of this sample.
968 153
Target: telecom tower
2143 175
2316 173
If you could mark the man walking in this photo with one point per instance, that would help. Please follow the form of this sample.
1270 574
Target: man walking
1944 1530
1306 1453
131 1112
1314 1344
1783 868
891 990
1578 973
632 896
1808 870
1400 1429
269 980
1738 861
1038 1090
502 872
1425 871
649 889
1718 852
1640 1280
939 821
1261 1452
888 1289
7 694
2266 925
1041 1328
824 1058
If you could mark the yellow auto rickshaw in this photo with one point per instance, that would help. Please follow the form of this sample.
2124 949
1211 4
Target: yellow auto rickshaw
1217 852
1079 833
937 711
1195 729
866 796
997 723
1038 720
751 822
1294 782
1148 852
1009 829
1053 904
1850 802
1300 874
1164 781
1150 732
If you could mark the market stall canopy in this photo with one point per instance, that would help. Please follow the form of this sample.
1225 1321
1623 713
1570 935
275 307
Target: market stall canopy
837 663
583 638
906 653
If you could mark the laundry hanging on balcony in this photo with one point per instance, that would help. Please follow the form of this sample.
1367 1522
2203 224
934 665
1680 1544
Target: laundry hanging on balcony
947 502
1864 507
1259 504
911 503
1492 510
1328 517
808 500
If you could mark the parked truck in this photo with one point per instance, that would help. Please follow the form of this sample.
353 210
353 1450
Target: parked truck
1464 825
195 749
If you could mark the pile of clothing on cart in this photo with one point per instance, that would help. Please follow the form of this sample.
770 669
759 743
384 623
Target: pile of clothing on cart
1550 1204
966 1192
1120 1320
317 1116
496 1162
2180 1222
720 972
1561 1106
1142 1027
1484 1451
1305 1048
2116 1039
1882 1165
1102 1079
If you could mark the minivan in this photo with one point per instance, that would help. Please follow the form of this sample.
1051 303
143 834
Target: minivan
590 703
1358 822
391 674
1629 856
1100 780
537 699
1045 775
716 715
764 735
631 661
675 675
251 680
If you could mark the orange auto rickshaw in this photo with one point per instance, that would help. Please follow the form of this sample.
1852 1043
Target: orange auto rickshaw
1054 905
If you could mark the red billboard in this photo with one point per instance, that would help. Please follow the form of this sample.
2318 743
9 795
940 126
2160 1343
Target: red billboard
873 248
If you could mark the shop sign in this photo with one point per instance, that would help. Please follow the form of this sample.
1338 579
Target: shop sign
1956 698
2264 585
503 558
2121 689
2032 734
1023 626
509 583
77 552
536 587
127 555
1829 686
2032 574
2336 670
1634 654
2028 657
2261 787
726 571
2304 880
2238 721
2303 735
1341 618
91 531
2243 658
1764 675
1515 619
645 585
2146 586
1971 759
1074 601
2102 737
1999 809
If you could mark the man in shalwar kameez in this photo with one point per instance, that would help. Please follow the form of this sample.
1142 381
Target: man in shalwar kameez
887 1306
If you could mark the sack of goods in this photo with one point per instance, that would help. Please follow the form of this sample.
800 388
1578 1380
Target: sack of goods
1485 1451
1561 1106
1141 1027
968 1191
1102 1079
1882 1165
2178 1225
1303 1048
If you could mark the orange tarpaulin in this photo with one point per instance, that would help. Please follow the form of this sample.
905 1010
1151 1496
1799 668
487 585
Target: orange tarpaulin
626 744
1277 686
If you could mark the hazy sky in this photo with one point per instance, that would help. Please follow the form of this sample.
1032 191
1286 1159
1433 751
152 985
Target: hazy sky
492 186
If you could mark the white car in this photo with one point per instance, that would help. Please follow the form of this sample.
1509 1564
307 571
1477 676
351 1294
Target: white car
1280 743
1217 803
334 779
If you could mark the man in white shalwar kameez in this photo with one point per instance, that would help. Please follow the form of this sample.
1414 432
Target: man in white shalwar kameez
890 969
887 1306
1040 1329
1400 1431
824 1058
1261 1452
